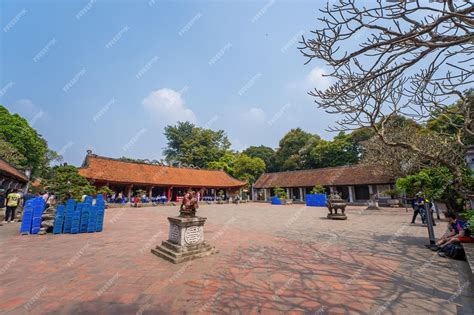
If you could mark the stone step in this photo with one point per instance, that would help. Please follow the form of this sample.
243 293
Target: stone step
171 252
177 248
176 258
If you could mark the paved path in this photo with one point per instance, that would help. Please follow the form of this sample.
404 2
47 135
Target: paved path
272 260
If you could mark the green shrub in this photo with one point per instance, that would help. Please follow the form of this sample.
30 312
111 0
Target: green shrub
318 189
280 193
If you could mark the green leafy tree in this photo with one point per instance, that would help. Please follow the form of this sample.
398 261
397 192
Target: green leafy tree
15 130
287 157
247 168
66 183
435 183
240 166
225 163
196 146
11 154
267 154
338 152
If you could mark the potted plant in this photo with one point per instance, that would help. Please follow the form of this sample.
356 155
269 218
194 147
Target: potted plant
280 196
316 197
393 202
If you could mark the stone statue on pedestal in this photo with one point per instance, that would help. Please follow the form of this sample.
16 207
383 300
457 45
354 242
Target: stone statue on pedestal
189 205
186 234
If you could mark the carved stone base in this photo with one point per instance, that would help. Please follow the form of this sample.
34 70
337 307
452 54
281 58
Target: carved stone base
337 216
185 241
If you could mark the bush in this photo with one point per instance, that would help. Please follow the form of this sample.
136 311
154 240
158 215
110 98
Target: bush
280 193
318 189
105 190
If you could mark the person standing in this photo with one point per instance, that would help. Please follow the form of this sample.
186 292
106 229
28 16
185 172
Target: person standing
13 199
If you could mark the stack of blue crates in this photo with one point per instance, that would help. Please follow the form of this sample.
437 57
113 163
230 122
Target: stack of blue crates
70 206
76 218
27 218
32 216
100 203
38 209
91 226
59 220
72 218
316 200
85 214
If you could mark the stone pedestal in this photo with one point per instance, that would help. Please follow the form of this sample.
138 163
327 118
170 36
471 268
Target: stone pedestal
337 216
185 240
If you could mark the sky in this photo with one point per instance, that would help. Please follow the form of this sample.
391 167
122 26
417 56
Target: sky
110 75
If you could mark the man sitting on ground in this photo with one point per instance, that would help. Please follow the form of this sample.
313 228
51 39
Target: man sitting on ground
460 232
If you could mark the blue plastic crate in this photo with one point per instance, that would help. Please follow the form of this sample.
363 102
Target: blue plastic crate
100 219
85 214
276 201
316 200
70 206
92 220
27 218
76 218
88 200
59 220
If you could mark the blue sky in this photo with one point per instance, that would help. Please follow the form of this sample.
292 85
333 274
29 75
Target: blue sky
109 75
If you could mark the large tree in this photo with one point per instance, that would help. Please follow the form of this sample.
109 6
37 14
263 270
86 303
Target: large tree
267 154
25 146
191 145
416 58
338 152
287 156
240 166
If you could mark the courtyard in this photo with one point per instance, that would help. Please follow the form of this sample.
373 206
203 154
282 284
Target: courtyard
272 260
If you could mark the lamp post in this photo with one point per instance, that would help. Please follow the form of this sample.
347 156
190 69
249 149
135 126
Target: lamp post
28 174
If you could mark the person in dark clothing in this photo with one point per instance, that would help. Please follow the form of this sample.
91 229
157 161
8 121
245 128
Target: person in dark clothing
3 197
422 207
28 196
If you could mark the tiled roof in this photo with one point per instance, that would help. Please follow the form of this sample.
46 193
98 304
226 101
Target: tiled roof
333 176
115 171
10 171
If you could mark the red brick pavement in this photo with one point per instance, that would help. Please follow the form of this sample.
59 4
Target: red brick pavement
272 260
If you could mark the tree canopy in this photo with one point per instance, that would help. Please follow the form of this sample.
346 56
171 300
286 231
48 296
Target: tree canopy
267 154
191 145
413 60
22 145
66 182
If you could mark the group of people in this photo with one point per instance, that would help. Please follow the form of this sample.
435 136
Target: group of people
13 199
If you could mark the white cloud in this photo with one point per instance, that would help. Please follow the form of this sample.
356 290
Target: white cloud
25 105
168 106
317 79
254 114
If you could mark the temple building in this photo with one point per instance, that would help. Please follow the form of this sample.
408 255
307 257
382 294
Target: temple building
156 180
10 177
354 183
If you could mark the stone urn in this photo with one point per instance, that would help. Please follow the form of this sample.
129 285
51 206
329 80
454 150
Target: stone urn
334 203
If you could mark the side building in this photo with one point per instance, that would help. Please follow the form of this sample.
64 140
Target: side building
355 183
10 177
156 180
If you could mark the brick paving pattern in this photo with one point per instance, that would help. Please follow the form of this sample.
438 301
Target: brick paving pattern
272 260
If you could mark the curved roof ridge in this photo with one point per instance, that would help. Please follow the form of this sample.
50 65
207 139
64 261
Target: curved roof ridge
143 163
